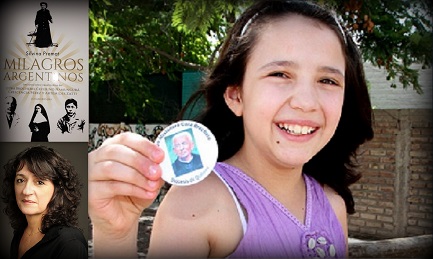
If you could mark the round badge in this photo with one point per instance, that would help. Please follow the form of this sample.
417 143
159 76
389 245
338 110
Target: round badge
191 152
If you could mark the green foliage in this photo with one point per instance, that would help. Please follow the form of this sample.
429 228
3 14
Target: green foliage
395 35
132 39
206 15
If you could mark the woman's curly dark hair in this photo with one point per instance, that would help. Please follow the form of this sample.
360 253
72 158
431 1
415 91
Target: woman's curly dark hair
46 164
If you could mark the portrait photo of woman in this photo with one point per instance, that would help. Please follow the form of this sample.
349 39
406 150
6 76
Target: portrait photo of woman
42 193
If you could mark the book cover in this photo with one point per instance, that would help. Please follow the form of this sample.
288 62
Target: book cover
44 72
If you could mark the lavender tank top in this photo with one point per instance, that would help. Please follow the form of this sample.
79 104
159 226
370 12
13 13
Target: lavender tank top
271 231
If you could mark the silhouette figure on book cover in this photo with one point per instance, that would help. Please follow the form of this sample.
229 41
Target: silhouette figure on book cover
42 24
39 124
12 117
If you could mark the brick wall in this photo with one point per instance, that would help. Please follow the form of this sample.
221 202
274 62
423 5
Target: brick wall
394 196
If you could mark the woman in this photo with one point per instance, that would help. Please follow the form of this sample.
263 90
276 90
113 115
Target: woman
39 124
288 104
41 190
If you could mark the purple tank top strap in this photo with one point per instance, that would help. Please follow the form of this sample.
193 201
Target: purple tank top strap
272 231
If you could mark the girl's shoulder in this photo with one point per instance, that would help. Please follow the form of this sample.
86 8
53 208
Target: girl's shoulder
337 202
201 198
204 215
338 205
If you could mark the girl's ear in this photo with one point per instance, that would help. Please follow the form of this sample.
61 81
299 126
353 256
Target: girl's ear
233 99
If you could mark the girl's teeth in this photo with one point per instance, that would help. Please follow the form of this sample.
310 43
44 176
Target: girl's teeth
296 129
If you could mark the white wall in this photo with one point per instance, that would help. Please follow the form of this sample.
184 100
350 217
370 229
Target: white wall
384 97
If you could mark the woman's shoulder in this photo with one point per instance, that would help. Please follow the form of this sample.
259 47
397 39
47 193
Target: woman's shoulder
67 241
69 233
70 230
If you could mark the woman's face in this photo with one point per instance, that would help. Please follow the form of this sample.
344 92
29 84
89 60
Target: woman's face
38 109
32 194
293 90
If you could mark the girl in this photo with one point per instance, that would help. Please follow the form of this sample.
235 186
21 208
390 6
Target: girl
288 104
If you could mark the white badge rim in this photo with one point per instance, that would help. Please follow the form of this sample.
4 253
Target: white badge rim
205 148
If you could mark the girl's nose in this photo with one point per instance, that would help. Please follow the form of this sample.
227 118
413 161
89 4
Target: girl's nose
304 97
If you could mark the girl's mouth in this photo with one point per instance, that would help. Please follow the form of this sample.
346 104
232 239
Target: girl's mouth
296 129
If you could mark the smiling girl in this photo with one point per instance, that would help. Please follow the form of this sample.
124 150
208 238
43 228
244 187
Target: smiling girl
288 104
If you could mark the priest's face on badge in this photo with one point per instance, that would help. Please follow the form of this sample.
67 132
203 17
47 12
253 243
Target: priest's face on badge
183 146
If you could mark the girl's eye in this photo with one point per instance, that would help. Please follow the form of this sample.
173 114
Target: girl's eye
278 74
329 82
40 182
19 180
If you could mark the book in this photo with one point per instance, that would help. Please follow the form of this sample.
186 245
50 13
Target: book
44 72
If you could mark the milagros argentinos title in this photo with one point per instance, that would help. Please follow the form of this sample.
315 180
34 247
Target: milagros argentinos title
43 69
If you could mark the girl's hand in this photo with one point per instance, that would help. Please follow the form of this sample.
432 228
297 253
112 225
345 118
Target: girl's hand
124 179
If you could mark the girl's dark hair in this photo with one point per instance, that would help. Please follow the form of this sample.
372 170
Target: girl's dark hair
46 164
335 164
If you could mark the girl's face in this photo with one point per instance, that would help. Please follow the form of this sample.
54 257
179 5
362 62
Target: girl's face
292 93
32 194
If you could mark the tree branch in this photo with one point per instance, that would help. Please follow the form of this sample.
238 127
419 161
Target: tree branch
163 53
